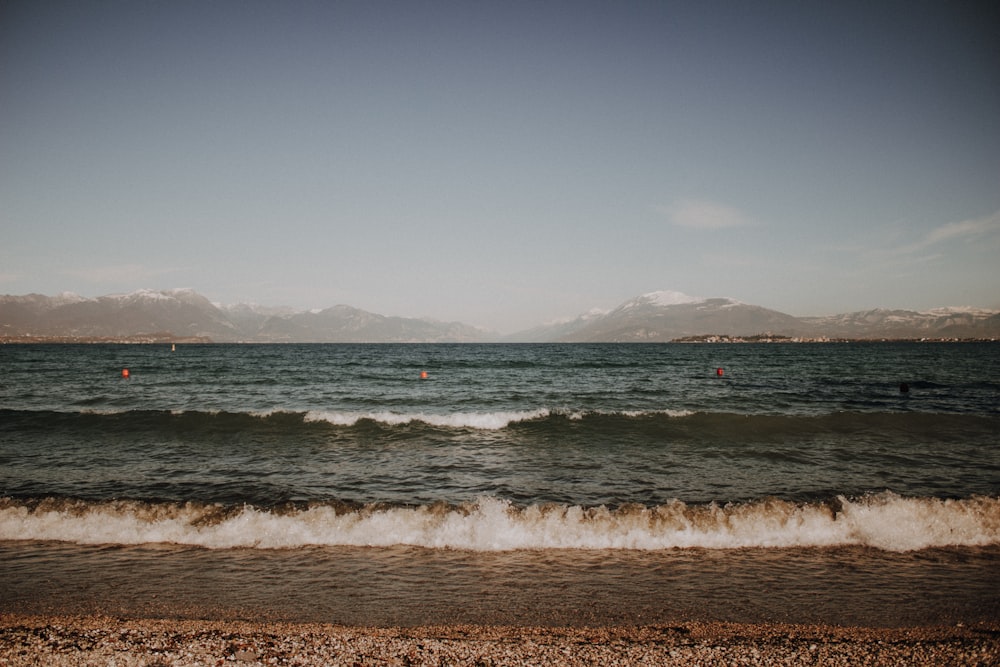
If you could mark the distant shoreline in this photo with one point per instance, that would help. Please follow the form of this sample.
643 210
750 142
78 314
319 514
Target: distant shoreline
707 339
135 339
764 338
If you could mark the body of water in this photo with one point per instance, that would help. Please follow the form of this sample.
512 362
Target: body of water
516 484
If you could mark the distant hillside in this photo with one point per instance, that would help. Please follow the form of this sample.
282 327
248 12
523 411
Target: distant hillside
159 315
664 316
554 331
343 324
884 323
180 312
147 316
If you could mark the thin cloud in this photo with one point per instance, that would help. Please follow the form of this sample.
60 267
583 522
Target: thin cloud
972 229
966 228
703 214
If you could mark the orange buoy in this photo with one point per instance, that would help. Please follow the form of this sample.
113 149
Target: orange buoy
125 373
423 375
718 371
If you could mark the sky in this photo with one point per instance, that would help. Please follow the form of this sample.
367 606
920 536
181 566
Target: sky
503 164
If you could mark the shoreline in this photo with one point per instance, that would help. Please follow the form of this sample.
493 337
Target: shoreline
125 642
701 339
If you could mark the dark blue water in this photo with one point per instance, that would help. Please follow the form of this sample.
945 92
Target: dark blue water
579 424
488 449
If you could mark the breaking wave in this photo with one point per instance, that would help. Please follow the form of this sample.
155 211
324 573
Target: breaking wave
884 521
486 420
680 421
472 420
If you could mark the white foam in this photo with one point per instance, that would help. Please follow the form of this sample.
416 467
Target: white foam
645 413
886 521
487 421
475 420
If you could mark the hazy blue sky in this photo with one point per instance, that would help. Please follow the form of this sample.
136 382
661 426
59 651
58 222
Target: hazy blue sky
503 163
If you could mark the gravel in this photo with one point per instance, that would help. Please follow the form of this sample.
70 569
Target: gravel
113 642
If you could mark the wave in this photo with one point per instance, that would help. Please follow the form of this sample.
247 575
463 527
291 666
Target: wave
884 521
474 420
678 421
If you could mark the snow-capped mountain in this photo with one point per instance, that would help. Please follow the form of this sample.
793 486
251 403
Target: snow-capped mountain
180 313
652 317
664 298
667 315
954 322
185 314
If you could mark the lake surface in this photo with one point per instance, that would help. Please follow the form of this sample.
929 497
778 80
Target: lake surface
527 484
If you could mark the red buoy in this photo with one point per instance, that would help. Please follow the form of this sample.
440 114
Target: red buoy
423 375
125 373
718 371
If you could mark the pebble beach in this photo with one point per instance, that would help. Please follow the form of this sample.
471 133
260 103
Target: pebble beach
84 641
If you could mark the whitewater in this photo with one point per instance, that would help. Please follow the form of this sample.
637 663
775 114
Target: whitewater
885 521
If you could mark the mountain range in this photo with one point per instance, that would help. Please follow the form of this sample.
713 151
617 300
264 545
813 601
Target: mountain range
185 315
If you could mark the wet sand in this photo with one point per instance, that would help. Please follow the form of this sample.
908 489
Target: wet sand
95 640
